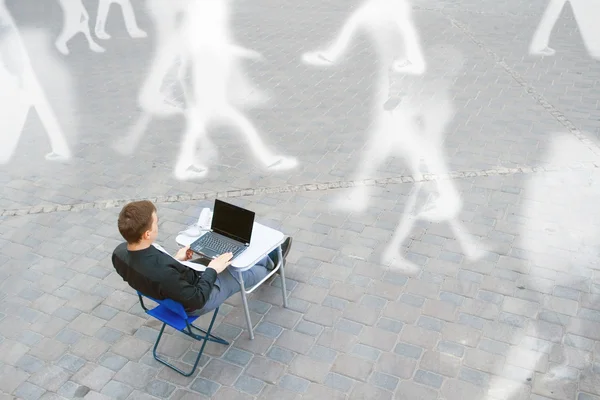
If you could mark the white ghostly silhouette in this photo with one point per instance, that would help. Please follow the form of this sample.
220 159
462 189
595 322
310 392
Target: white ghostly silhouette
19 91
560 238
75 20
386 21
413 126
587 15
202 53
391 26
128 15
415 131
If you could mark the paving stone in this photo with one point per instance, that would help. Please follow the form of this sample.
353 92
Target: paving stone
93 376
317 391
11 351
135 375
352 367
125 323
294 383
29 364
440 363
477 378
73 390
268 329
561 388
432 324
112 361
226 393
11 378
227 332
337 340
295 341
89 348
338 382
402 312
48 350
221 372
205 387
259 346
249 385
50 378
281 355
144 333
451 348
429 379
324 354
366 352
27 391
361 314
408 350
283 317
116 390
456 389
29 338
105 312
133 348
384 381
68 336
160 389
109 335
265 370
416 391
309 328
237 356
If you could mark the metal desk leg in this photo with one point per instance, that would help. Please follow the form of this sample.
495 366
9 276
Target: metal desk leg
282 273
245 303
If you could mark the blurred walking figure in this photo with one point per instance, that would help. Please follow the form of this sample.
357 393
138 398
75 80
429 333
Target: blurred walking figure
128 15
75 20
20 90
201 58
587 15
390 25
558 241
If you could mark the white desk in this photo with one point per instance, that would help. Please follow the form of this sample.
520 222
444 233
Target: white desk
264 241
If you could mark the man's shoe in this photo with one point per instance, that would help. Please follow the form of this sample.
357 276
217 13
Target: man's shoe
286 246
285 249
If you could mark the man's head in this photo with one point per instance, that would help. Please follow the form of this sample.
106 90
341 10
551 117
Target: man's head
138 222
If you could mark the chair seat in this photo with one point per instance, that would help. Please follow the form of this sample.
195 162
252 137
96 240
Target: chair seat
164 314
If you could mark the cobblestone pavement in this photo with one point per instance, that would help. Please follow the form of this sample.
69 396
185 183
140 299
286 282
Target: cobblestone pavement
523 322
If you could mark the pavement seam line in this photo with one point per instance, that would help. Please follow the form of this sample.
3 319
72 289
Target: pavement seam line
443 10
552 110
306 187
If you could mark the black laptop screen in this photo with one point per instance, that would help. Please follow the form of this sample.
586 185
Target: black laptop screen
232 221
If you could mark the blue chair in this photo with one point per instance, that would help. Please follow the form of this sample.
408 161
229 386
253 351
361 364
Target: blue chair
171 313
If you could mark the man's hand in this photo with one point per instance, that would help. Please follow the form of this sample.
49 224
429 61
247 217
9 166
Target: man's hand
184 254
220 263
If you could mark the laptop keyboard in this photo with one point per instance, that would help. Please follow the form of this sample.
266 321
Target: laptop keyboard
214 243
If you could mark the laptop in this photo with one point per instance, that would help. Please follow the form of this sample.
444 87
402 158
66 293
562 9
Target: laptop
230 231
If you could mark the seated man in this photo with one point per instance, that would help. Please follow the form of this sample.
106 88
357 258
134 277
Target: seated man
148 268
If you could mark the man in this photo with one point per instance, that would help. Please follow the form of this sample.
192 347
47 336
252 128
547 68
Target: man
148 268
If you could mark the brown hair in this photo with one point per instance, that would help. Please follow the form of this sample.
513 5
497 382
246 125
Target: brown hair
135 219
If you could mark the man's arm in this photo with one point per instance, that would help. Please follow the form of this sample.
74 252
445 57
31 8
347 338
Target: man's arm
191 296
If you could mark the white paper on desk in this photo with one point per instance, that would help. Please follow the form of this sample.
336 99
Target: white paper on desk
189 264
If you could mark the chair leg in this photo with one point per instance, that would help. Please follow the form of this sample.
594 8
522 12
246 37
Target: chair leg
208 337
164 362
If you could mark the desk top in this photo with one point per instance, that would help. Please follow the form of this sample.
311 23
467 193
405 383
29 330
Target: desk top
263 241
